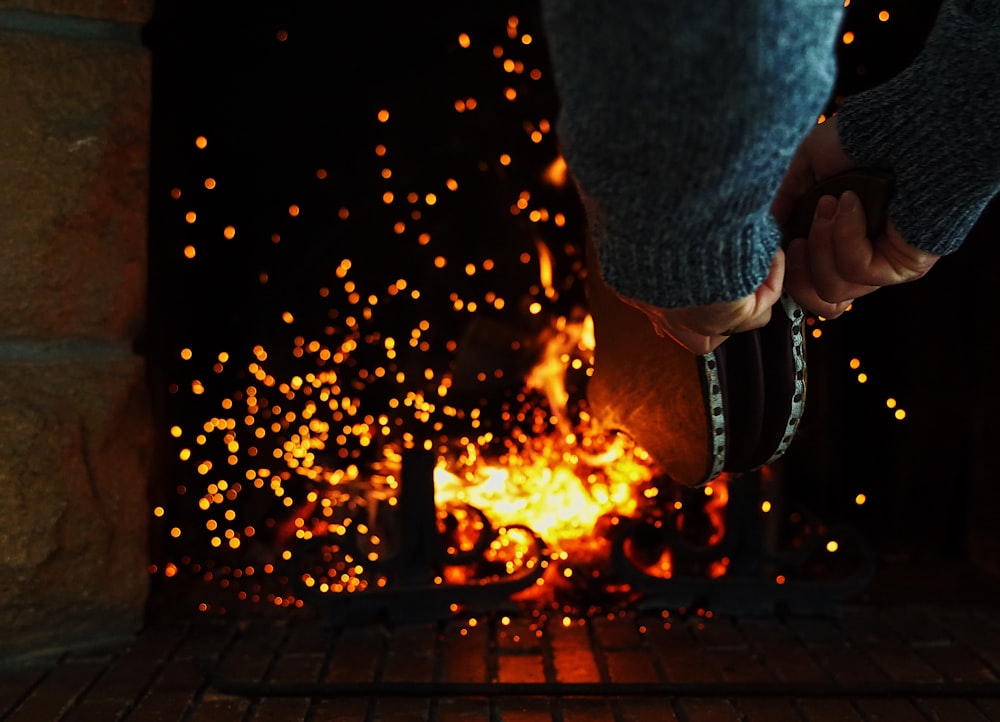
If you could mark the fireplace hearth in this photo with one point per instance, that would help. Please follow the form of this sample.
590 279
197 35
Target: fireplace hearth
899 659
410 284
329 293
405 281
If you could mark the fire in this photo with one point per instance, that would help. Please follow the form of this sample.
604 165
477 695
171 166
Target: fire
562 483
302 436
559 479
715 508
543 489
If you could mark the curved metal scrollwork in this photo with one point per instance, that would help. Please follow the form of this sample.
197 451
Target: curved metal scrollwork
421 564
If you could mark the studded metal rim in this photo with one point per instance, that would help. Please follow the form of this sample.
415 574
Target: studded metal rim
716 413
797 317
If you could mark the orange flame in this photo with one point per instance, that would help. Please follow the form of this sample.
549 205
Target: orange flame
561 484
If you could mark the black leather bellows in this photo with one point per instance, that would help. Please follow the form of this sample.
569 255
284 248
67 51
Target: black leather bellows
732 410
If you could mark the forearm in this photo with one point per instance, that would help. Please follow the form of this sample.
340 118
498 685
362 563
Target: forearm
678 119
935 125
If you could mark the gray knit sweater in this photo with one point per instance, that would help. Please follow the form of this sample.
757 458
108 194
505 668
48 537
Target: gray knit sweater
679 117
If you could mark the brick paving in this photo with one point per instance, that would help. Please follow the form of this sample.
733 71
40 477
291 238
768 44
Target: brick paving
895 662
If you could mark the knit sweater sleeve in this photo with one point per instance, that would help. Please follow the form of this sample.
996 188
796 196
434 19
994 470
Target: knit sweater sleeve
678 119
936 126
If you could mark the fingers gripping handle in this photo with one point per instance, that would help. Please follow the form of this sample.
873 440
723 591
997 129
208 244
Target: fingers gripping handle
874 187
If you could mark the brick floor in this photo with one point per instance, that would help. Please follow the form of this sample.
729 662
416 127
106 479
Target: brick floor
898 662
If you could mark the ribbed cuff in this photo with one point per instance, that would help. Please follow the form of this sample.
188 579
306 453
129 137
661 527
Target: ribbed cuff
935 127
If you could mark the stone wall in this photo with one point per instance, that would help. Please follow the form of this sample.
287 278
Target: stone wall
75 429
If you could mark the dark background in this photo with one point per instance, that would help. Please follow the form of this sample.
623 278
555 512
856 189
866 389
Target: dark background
276 110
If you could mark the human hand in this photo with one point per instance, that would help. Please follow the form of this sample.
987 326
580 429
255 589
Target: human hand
647 378
701 329
838 262
647 383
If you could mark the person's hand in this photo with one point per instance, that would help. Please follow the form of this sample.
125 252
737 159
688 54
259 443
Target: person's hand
646 381
701 329
838 263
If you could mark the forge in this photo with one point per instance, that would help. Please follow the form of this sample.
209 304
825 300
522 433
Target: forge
347 375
